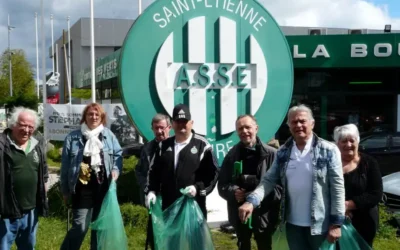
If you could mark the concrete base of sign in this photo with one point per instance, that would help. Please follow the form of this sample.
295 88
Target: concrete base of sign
217 210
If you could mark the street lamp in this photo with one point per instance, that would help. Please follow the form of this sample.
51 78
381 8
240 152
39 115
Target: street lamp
10 53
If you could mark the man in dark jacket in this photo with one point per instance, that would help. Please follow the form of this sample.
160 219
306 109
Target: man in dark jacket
23 178
161 125
185 160
254 159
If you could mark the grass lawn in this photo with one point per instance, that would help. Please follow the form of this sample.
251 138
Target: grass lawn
51 233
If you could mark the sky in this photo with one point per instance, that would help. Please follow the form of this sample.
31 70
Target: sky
373 14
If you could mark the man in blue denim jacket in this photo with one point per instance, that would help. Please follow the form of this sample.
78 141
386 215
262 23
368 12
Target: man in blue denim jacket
310 171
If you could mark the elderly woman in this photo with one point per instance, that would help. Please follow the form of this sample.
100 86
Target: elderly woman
363 182
91 158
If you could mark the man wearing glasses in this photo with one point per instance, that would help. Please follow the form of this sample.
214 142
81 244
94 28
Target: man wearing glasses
161 125
23 178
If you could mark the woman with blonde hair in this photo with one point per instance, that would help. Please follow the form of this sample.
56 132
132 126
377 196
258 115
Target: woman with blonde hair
363 182
91 158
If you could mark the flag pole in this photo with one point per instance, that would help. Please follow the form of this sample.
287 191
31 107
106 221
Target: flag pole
52 41
92 64
69 61
37 56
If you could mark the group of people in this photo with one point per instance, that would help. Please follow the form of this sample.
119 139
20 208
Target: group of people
308 184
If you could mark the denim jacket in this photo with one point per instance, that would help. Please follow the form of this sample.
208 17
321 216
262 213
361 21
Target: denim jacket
72 156
328 194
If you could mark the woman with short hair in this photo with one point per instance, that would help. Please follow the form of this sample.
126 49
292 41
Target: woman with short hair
363 182
91 158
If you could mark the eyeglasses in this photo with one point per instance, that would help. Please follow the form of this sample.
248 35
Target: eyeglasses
24 127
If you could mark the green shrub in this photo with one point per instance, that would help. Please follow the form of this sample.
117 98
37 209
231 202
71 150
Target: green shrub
127 186
386 229
57 207
54 154
134 216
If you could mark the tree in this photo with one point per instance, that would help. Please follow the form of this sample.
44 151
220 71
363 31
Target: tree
23 83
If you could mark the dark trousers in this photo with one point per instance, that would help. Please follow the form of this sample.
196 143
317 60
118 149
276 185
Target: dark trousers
244 233
300 238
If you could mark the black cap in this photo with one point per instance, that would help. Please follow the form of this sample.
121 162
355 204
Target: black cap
181 111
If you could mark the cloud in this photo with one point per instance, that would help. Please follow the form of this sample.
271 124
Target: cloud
327 13
331 13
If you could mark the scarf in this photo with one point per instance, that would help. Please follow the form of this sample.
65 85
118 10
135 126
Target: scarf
93 145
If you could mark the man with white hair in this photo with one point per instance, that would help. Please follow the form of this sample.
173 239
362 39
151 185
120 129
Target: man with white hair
23 178
310 171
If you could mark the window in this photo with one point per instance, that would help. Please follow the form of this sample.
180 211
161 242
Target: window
374 142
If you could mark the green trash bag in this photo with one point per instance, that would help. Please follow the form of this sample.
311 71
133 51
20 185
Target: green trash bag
350 240
181 226
109 224
279 241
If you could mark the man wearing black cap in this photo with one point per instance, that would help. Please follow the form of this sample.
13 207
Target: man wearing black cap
185 160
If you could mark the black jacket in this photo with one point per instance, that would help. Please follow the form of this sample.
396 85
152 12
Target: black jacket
197 166
266 216
9 207
142 167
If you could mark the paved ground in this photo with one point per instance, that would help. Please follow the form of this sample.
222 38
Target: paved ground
53 178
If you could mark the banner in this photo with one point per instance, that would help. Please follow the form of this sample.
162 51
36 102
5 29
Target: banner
61 119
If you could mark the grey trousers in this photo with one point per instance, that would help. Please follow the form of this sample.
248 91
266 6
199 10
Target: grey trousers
300 238
81 219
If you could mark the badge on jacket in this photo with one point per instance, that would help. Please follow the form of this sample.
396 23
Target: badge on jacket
194 150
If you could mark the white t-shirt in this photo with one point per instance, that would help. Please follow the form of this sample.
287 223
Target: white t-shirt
179 147
299 175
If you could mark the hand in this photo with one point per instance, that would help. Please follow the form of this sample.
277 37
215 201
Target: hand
334 234
240 195
151 197
191 191
349 214
245 211
115 174
350 205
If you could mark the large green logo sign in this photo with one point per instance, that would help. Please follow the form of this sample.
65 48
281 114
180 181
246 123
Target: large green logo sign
223 58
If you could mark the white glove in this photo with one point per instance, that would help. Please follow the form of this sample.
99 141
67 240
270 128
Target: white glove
151 197
191 191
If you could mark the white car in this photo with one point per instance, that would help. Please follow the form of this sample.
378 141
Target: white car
391 191
391 194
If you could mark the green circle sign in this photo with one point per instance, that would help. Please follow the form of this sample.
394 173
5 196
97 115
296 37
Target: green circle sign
223 58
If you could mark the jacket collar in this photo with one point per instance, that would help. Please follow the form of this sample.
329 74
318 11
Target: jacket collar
262 147
289 142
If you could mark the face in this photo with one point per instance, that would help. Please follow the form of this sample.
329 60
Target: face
161 130
300 125
93 118
24 128
247 130
182 126
348 146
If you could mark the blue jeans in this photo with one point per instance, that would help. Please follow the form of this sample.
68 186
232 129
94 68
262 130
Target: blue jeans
22 231
300 238
81 219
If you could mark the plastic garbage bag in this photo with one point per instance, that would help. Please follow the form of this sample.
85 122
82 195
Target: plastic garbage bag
109 224
350 240
279 241
181 226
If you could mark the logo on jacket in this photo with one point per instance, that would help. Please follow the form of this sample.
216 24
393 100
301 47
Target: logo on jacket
194 150
35 156
222 60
